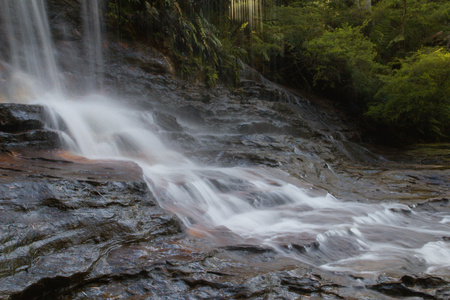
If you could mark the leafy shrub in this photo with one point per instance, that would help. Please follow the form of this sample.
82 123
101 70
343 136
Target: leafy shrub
422 20
416 98
344 58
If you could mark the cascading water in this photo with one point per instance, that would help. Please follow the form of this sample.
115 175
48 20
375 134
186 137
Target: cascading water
31 51
262 206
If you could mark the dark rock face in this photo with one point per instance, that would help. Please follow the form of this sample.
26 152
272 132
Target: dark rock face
426 287
22 126
59 219
15 118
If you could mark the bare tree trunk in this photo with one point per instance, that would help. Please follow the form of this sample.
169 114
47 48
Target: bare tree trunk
405 4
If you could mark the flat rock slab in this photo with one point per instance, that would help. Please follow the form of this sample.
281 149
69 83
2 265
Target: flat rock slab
28 164
60 216
73 228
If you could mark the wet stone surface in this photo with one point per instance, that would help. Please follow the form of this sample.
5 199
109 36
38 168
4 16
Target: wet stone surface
78 229
23 126
59 217
235 127
72 228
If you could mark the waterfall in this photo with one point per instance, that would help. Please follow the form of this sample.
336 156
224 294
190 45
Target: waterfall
31 50
32 61
260 205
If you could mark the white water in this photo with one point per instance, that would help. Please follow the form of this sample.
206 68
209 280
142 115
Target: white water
255 203
263 206
31 50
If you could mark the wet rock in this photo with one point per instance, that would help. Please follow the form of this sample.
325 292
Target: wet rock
72 228
268 91
23 126
424 154
424 287
443 293
248 248
358 153
398 289
434 205
190 114
423 282
38 139
15 118
246 159
67 10
57 224
183 271
302 285
167 122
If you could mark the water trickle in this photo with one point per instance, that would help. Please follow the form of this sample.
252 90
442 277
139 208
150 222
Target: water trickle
92 34
262 206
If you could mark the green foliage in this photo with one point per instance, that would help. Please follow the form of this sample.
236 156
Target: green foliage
266 47
362 54
199 51
299 24
416 98
344 58
423 19
342 49
121 11
179 27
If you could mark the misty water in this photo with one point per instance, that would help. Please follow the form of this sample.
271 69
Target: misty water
260 205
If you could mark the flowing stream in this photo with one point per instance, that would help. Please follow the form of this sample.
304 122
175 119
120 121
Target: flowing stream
262 206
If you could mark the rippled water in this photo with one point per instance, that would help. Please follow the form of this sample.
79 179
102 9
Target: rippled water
262 206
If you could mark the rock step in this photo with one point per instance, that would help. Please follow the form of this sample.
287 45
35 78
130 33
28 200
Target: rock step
23 126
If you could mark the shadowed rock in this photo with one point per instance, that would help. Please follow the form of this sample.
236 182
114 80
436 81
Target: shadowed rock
22 126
